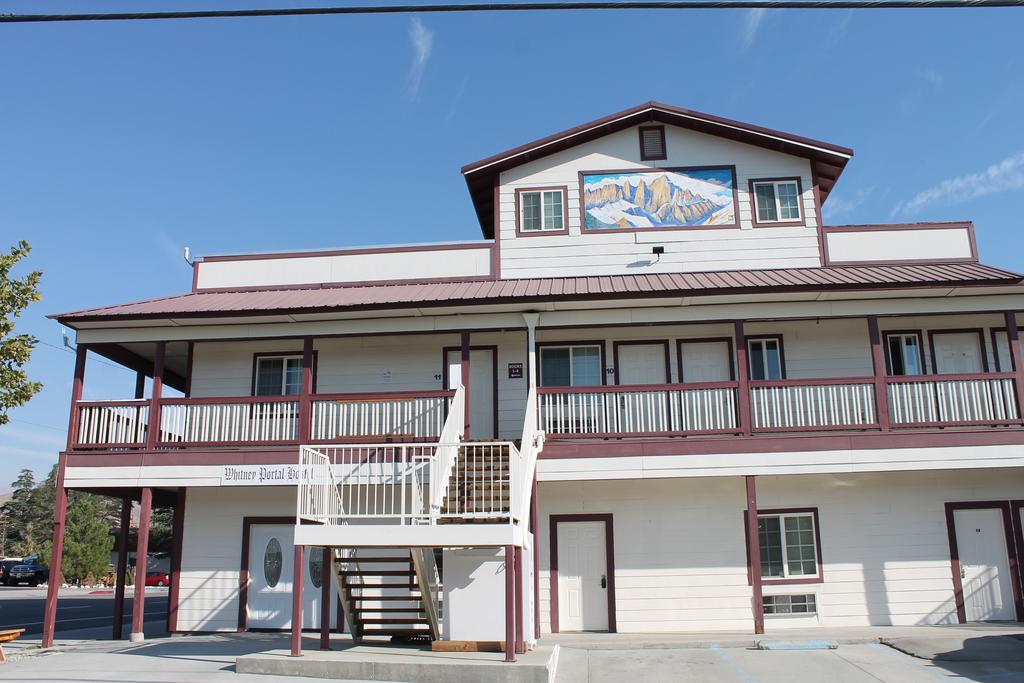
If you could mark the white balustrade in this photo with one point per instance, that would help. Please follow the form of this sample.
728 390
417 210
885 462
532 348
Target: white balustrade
638 410
953 401
812 406
112 424
415 417
228 423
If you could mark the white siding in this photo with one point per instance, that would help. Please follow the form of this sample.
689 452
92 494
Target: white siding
685 249
680 559
852 246
212 550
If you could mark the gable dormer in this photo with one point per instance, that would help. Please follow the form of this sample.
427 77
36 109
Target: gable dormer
656 189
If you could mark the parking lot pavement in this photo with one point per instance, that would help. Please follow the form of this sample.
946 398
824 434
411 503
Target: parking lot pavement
859 663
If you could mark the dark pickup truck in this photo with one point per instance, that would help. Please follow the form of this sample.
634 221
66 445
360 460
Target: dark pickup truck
26 571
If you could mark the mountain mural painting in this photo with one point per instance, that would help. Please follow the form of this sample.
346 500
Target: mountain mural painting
666 198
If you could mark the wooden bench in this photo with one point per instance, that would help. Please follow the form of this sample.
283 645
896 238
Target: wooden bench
6 637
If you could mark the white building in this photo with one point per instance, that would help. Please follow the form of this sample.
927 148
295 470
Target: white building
659 395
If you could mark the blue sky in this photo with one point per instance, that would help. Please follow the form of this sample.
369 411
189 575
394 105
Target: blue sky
125 142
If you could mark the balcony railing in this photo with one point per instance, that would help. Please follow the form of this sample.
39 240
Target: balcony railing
826 404
260 420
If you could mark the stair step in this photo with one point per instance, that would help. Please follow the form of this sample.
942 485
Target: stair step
381 586
377 572
396 632
408 598
390 610
395 620
382 560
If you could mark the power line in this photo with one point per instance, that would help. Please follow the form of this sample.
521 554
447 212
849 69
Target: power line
96 360
514 7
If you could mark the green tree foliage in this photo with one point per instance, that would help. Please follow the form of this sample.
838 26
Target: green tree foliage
22 515
87 542
15 349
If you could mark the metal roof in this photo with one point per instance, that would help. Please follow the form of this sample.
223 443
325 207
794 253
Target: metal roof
326 298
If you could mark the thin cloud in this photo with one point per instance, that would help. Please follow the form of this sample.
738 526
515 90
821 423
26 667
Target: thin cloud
839 206
751 26
422 40
1004 176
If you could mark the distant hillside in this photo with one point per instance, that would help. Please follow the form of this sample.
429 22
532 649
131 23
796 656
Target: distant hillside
4 497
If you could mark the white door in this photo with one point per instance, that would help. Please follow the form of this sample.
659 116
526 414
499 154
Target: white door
481 389
582 582
271 570
312 584
271 564
984 565
705 362
958 352
642 364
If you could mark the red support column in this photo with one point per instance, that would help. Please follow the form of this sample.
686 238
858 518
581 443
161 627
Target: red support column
878 367
60 503
153 435
140 385
177 540
122 567
326 578
297 602
60 511
510 606
464 367
1013 338
306 392
742 380
754 551
535 528
520 643
141 556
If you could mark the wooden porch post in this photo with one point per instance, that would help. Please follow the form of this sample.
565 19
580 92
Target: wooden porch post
140 385
122 565
306 392
297 602
742 380
510 607
754 551
60 503
326 578
464 368
153 436
141 555
177 541
878 366
1015 355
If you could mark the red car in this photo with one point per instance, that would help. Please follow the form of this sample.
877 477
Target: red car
157 579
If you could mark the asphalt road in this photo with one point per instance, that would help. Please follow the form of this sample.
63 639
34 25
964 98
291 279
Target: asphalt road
22 607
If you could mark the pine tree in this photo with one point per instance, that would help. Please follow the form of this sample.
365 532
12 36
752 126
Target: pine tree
87 542
20 514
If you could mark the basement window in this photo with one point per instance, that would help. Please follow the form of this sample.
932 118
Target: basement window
790 604
652 143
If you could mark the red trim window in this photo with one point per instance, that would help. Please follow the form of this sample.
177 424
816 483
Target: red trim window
904 354
765 358
652 143
542 210
571 366
777 201
278 376
789 546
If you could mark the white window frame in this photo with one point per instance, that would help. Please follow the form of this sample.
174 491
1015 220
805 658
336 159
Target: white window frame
778 206
778 347
903 336
543 209
572 348
284 373
786 576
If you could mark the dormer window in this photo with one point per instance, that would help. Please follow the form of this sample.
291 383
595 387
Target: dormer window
776 201
542 210
652 143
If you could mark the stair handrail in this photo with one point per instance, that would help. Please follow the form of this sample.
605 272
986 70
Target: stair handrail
447 451
529 448
318 498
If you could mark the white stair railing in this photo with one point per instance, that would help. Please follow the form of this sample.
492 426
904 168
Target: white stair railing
318 498
530 447
447 450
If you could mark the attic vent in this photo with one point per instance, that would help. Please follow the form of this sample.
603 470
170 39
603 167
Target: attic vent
652 143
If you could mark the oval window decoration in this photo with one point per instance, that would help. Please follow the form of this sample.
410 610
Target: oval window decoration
316 567
272 560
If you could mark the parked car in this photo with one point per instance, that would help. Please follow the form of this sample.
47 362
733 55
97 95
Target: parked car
157 579
27 571
5 567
